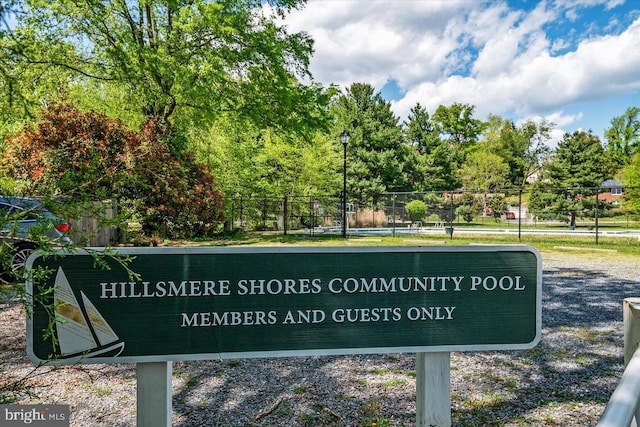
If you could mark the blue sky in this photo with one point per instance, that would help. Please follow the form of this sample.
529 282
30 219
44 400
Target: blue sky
575 63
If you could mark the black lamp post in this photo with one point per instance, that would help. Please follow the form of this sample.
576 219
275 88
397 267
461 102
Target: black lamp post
344 138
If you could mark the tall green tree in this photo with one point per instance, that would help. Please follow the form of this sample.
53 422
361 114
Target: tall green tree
458 124
623 137
483 170
522 147
23 88
460 132
530 152
180 62
421 131
631 177
266 163
578 161
424 134
378 158
572 177
459 128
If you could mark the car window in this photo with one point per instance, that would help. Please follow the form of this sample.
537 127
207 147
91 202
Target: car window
28 214
15 213
5 211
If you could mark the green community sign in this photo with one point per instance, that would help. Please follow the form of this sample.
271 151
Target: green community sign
206 303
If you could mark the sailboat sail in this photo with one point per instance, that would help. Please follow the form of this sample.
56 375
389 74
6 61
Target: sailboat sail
74 334
102 329
77 333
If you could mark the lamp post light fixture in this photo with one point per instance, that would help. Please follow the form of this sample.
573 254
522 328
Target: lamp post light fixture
344 138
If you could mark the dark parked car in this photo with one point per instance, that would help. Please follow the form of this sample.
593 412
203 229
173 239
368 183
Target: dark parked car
21 218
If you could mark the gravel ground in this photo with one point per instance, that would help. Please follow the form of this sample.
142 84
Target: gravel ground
565 381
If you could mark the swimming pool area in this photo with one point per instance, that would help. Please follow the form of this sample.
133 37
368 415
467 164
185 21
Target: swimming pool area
463 230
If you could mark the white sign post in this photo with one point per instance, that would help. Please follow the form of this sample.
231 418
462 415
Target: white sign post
433 389
154 394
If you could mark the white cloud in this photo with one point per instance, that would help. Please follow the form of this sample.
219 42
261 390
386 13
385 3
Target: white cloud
559 119
537 81
603 66
559 44
572 15
556 136
574 4
500 60
379 40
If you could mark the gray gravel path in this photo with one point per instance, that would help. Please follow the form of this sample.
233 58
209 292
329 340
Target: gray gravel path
565 381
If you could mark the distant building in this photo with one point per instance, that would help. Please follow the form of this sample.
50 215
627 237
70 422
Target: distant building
613 191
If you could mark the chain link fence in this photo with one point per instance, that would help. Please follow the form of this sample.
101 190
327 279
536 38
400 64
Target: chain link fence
587 209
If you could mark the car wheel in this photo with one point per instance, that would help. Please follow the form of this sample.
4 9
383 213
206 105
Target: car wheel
20 256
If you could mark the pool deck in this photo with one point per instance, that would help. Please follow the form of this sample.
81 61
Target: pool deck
459 230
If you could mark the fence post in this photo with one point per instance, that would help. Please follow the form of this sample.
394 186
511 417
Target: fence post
233 215
285 213
597 209
312 217
451 213
520 215
241 212
393 213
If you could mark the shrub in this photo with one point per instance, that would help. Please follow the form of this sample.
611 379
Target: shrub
416 209
465 212
89 156
368 218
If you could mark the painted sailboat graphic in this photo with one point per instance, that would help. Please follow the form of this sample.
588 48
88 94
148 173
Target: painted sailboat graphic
81 333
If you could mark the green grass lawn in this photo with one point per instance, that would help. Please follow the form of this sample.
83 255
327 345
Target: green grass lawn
564 243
